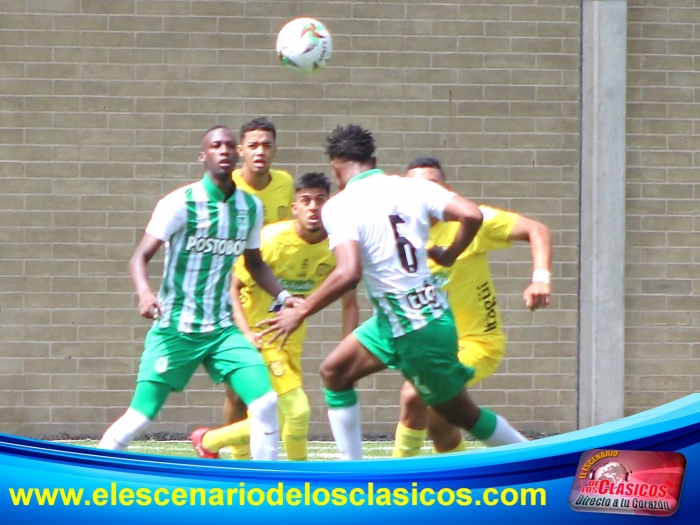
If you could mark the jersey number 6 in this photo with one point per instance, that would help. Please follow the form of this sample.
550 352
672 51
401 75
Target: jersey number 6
407 252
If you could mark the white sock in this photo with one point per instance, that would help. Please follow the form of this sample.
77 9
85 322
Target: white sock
264 428
345 425
119 435
504 434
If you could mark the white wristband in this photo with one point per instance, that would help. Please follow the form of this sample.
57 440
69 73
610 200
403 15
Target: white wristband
541 276
278 303
282 296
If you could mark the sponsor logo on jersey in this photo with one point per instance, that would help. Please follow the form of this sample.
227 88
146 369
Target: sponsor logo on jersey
214 245
297 286
488 299
425 296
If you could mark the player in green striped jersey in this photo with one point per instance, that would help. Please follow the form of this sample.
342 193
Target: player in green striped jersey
378 227
205 226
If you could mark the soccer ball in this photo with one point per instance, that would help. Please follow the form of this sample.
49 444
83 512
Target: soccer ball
304 44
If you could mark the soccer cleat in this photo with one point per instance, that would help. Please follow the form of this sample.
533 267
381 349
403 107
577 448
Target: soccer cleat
196 438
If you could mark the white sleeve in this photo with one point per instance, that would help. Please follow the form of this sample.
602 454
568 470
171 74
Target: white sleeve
169 216
253 241
435 196
340 226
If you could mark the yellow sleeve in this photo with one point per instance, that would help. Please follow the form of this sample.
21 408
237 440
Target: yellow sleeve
494 233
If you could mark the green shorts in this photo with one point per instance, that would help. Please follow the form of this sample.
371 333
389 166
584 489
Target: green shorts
426 357
172 357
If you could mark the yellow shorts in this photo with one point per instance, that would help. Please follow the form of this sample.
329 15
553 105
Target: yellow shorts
482 354
284 368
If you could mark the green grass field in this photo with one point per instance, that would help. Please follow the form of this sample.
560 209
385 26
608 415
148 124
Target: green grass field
318 450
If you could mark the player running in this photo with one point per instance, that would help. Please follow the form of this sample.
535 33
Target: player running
205 227
378 228
297 253
472 297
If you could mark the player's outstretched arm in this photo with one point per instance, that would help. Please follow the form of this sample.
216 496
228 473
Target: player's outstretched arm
345 276
138 269
470 218
538 293
261 273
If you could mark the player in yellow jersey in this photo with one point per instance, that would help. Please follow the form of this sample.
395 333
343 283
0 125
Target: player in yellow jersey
275 188
257 150
297 252
472 297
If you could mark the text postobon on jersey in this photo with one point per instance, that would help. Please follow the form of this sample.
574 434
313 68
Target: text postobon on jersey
215 245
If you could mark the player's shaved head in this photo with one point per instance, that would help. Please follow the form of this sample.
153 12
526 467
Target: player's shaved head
427 162
205 135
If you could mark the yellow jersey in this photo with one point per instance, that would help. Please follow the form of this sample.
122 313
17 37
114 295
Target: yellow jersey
276 197
301 268
467 282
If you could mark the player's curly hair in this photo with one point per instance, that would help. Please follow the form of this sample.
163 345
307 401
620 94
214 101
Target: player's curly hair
350 143
258 124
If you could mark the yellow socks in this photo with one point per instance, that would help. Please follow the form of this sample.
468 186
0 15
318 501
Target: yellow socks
294 421
236 436
408 442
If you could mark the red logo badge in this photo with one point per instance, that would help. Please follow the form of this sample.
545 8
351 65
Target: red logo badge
628 482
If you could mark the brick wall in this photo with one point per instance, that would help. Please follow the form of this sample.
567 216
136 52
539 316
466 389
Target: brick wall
663 203
102 105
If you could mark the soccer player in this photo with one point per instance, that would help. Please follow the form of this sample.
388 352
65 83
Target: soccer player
275 189
472 297
297 253
205 226
378 228
257 150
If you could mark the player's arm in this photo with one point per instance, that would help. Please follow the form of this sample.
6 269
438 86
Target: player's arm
239 314
537 294
469 217
138 269
258 268
350 312
345 276
263 276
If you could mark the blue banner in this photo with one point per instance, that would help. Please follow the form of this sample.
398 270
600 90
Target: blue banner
572 478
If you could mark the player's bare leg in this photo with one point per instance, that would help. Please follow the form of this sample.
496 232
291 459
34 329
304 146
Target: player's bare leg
445 437
485 425
411 430
340 370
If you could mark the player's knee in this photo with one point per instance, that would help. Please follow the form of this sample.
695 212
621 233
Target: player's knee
409 397
300 417
331 377
264 407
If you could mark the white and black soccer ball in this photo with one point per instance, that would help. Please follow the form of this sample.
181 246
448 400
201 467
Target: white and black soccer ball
304 44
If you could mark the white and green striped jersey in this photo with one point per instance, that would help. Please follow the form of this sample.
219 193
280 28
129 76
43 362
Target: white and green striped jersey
389 217
203 235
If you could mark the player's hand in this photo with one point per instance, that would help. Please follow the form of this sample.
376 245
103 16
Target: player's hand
149 306
441 255
281 326
537 295
293 301
254 338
